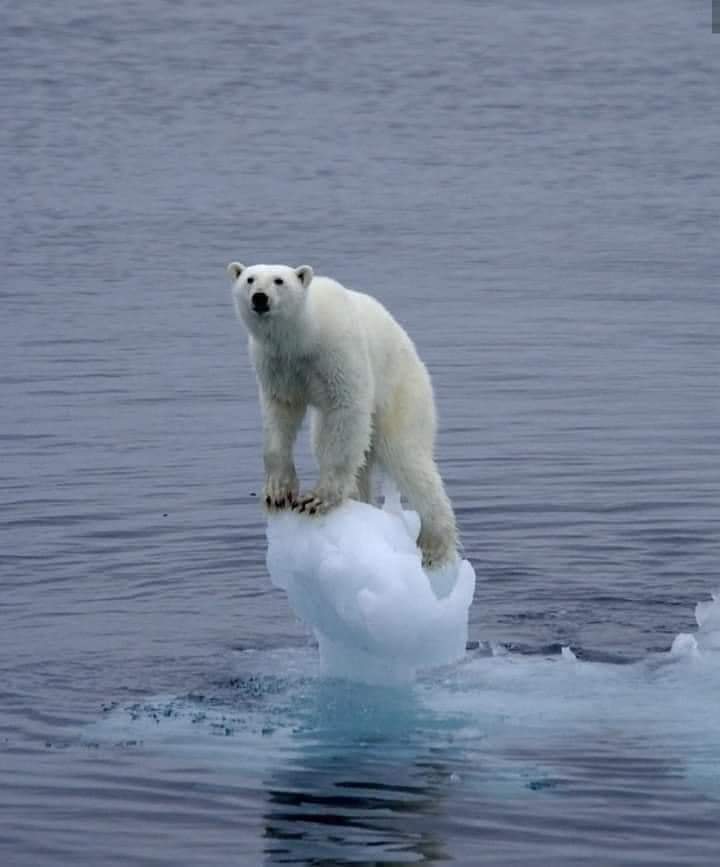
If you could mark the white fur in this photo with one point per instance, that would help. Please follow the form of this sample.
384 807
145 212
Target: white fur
342 354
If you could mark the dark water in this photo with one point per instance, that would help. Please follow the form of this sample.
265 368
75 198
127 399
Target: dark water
533 191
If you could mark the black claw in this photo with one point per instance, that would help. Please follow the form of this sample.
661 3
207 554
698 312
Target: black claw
279 503
312 510
268 502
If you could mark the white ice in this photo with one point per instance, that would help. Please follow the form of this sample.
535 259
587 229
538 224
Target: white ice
707 639
354 576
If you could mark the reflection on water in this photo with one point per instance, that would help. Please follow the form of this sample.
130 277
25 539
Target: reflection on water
343 800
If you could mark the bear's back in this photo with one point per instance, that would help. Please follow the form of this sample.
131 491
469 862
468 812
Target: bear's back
359 322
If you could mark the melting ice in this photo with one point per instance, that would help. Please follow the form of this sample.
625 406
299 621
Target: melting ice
354 576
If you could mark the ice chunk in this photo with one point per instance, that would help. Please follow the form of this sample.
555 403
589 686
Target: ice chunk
707 615
355 577
684 645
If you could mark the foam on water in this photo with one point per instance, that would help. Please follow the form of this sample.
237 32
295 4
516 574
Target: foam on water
355 578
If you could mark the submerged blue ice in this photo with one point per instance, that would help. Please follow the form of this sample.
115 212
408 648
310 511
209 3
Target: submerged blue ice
520 722
355 578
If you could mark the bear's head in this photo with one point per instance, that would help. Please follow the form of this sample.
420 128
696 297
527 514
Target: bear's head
264 294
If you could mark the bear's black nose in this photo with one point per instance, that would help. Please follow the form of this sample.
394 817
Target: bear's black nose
260 302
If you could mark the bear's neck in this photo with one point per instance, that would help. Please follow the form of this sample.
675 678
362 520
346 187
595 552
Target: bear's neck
285 337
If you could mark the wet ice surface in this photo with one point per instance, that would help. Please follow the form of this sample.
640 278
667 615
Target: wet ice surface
532 191
355 577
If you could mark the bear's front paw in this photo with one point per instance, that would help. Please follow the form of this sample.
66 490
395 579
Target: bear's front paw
318 502
280 492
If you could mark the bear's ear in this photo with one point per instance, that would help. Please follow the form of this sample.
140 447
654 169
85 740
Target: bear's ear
235 269
305 274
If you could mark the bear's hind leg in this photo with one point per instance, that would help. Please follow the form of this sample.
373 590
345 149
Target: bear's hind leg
419 481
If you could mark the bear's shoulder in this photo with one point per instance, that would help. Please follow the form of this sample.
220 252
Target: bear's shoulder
330 308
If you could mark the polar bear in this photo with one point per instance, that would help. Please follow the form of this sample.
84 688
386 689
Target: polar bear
316 344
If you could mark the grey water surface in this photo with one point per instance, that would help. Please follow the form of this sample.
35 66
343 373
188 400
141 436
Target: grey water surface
532 189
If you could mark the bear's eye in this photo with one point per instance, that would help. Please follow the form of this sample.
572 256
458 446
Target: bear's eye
250 279
278 281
